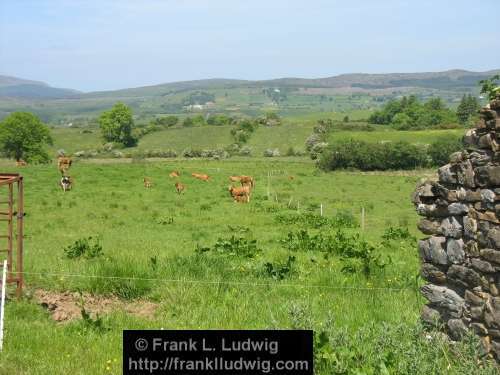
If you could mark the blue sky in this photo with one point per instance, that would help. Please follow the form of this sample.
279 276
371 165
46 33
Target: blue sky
109 44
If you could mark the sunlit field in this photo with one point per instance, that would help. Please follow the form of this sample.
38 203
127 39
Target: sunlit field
207 262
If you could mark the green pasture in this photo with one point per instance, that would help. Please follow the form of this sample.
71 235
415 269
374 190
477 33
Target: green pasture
151 235
292 133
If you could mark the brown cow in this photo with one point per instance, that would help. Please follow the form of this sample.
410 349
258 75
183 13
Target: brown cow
234 178
147 182
247 181
21 163
63 164
179 187
200 176
241 194
174 174
291 178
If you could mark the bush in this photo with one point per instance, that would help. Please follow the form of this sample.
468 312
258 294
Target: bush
271 153
245 151
84 247
280 270
190 153
233 246
366 156
312 140
317 150
440 150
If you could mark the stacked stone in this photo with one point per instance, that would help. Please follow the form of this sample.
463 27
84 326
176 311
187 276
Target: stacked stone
461 258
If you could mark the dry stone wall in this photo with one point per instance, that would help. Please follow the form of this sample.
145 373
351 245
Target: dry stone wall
461 255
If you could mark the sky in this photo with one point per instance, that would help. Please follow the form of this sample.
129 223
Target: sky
94 45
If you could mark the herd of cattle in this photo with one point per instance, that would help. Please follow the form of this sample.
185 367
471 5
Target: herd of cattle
239 194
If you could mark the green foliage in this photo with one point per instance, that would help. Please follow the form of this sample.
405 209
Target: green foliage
398 233
243 130
468 107
269 119
342 219
366 156
117 125
128 279
357 254
490 86
409 113
92 324
442 148
233 246
87 248
219 120
24 136
166 121
280 270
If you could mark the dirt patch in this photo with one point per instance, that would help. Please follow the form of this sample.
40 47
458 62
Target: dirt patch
67 306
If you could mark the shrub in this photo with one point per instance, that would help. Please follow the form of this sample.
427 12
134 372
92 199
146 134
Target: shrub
440 150
357 254
366 156
280 270
245 151
84 247
190 153
233 246
343 219
271 153
312 140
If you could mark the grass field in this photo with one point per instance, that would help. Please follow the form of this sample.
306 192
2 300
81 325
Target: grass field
151 235
290 134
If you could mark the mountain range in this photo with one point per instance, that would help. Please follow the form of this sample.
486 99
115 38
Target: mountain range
446 80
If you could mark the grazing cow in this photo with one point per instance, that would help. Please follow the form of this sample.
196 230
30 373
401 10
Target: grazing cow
63 164
247 181
179 187
200 176
174 174
21 163
234 178
241 194
66 183
147 182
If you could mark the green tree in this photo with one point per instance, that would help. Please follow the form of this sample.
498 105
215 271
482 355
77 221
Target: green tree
468 107
117 125
24 136
441 149
166 121
490 86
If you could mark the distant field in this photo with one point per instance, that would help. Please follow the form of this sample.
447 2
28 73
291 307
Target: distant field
290 134
424 136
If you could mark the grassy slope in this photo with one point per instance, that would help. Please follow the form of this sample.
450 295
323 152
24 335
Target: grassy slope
110 202
291 134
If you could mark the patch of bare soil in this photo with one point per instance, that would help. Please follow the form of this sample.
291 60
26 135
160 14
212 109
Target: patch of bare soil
67 306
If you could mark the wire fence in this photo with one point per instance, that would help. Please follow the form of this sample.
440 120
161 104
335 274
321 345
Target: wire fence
215 282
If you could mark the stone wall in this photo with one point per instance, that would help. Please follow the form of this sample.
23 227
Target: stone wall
461 256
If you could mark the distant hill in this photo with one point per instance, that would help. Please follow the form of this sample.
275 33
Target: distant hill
287 96
13 87
451 79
